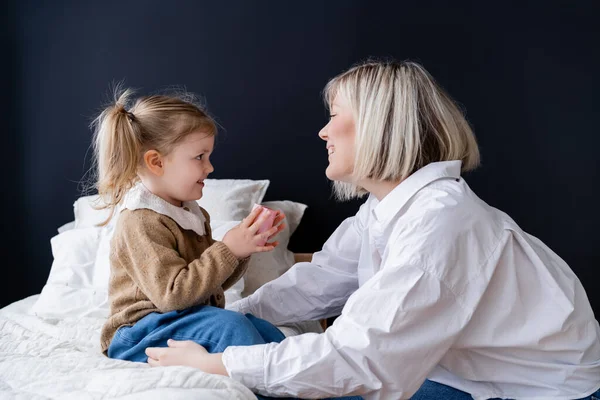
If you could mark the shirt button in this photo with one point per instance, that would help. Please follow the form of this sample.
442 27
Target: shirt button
219 297
199 238
186 208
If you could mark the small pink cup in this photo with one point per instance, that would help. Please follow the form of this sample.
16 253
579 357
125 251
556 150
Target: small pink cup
268 224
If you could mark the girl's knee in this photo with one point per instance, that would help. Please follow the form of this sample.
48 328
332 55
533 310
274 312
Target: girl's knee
234 320
268 331
238 329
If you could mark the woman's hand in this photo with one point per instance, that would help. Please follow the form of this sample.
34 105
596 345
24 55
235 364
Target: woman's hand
186 353
244 239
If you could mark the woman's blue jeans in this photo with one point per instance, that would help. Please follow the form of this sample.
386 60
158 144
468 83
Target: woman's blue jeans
436 391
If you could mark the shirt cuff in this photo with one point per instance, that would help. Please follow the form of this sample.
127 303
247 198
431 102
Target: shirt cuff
242 306
246 364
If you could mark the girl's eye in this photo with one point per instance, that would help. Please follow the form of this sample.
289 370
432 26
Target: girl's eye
199 157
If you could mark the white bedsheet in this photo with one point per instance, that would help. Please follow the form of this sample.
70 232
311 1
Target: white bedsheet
61 359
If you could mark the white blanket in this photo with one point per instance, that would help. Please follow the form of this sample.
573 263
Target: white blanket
61 359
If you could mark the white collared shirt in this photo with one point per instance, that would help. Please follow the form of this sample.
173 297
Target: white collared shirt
188 216
431 282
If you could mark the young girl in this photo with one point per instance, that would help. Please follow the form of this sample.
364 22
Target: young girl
168 275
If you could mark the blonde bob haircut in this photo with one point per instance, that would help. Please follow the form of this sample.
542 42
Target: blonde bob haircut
404 120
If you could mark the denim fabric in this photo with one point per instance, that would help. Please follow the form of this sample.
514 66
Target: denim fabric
294 398
431 390
216 329
436 391
212 327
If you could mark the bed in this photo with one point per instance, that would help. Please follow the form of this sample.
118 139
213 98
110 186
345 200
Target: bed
61 359
49 342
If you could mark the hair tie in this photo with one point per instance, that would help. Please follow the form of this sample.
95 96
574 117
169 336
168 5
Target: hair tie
130 116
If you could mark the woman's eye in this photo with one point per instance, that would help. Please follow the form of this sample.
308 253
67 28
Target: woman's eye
332 115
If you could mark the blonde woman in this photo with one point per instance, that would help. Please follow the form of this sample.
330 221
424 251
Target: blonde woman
440 296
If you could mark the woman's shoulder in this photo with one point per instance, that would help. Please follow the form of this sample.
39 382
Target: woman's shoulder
443 228
447 211
451 200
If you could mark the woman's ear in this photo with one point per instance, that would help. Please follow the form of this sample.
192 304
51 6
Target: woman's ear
154 162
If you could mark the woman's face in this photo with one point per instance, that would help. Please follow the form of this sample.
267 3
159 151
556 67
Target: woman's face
339 134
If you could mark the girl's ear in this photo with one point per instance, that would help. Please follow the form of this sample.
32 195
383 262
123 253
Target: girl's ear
154 162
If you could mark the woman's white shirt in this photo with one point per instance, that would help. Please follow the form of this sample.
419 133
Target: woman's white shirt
431 282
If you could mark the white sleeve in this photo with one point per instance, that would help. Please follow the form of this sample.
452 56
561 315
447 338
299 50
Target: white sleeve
390 335
315 290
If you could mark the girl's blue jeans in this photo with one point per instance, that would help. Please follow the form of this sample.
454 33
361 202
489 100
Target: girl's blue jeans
211 327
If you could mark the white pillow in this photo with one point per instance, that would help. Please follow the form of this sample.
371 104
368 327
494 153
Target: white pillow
293 211
86 216
219 229
71 289
66 227
265 267
78 280
77 285
101 267
232 199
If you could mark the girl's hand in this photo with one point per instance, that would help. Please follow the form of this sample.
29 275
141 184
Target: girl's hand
244 239
186 353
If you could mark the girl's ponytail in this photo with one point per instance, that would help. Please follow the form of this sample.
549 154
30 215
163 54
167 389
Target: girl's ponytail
117 147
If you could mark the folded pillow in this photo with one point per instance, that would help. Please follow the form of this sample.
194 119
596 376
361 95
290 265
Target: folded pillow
231 199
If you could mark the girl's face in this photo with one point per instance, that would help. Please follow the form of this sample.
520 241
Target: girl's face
339 133
186 167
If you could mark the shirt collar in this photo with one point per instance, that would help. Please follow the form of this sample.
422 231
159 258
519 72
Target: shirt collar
189 216
397 198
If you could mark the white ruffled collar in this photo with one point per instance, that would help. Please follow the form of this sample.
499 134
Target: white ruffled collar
188 216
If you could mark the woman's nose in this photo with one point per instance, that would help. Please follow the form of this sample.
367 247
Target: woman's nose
323 133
